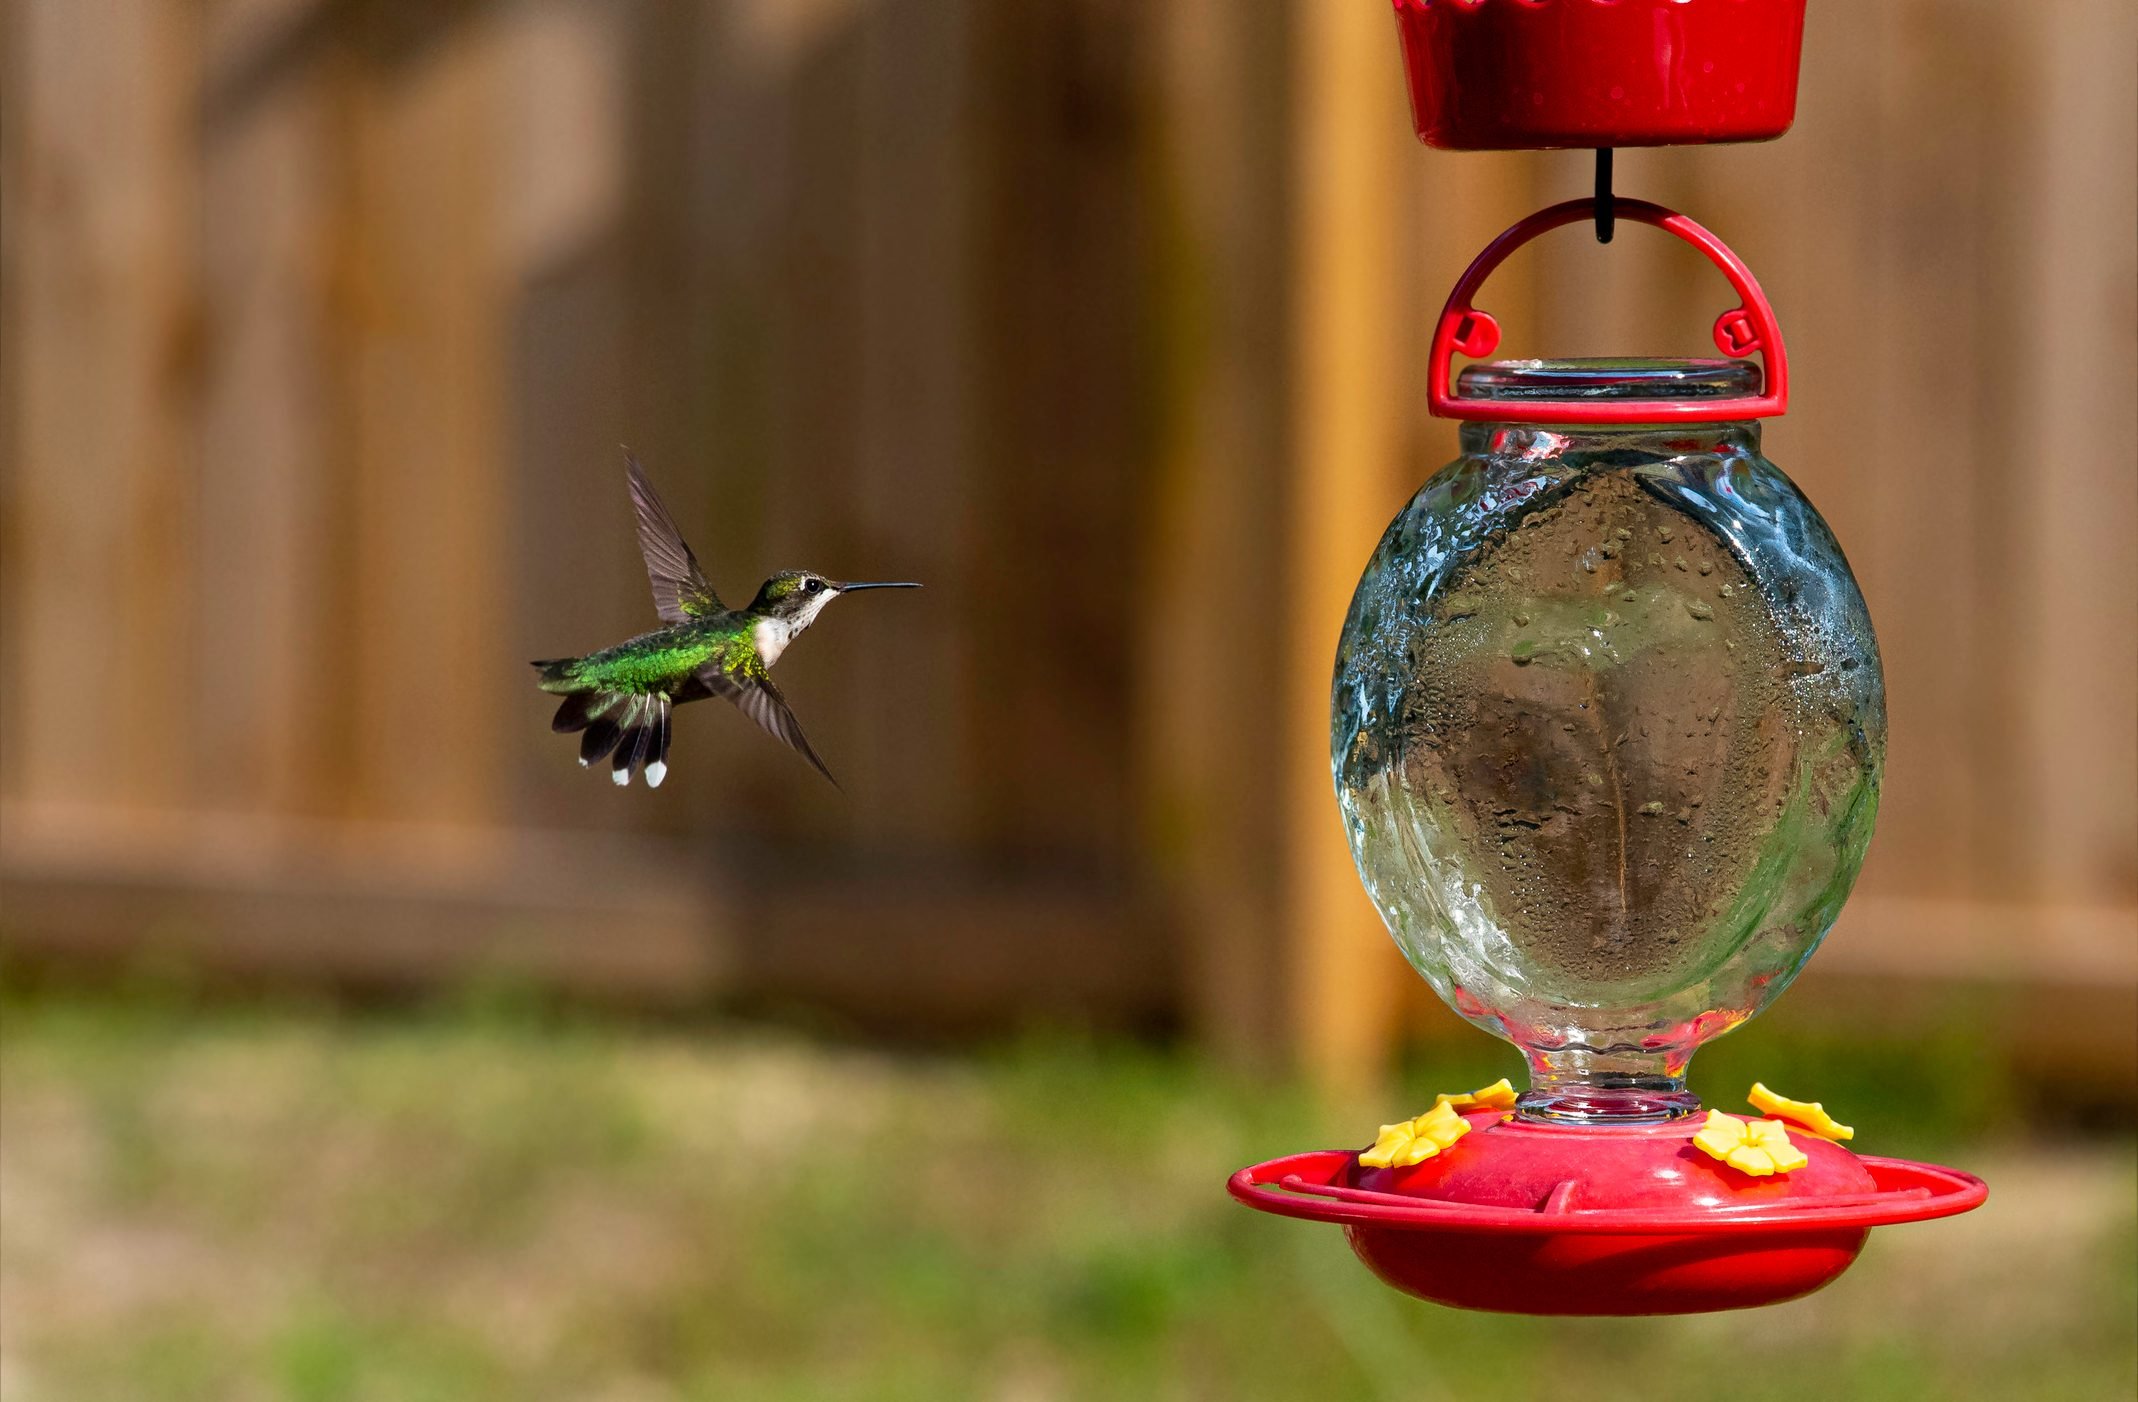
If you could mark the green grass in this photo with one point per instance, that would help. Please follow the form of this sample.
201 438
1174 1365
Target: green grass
493 1202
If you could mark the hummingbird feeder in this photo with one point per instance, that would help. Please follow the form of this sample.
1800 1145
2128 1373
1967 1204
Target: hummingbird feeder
1608 726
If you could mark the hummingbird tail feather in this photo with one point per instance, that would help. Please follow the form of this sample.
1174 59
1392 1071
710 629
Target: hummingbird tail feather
643 743
631 750
581 709
600 738
657 754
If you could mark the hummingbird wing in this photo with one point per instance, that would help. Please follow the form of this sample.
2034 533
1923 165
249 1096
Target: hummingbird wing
680 592
757 698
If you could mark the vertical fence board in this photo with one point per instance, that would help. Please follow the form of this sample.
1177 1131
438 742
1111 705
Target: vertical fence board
427 361
566 182
2072 453
1207 702
905 665
106 346
266 458
1348 439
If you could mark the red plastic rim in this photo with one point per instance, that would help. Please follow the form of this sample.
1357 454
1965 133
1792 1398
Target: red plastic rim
1309 1186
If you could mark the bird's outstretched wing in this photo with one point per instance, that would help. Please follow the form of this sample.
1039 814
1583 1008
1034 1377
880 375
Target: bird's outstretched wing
757 698
680 592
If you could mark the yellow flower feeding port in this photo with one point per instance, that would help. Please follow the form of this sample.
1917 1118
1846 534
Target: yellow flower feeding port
1757 1147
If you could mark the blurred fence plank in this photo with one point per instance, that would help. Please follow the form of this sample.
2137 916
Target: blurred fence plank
1206 653
105 345
2078 333
425 354
265 668
916 474
1347 159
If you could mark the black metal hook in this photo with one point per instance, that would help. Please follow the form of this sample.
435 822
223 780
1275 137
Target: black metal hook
1606 206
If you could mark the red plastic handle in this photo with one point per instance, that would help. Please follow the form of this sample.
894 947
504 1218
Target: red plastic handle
1740 331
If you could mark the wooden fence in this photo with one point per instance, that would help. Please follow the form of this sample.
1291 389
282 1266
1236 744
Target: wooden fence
323 320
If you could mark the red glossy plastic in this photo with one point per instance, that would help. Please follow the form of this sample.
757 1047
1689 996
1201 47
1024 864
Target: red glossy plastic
1745 328
1549 1219
1496 75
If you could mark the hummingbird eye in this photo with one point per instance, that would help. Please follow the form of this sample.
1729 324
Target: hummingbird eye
813 586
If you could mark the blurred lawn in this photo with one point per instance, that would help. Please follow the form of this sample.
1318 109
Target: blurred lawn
279 1203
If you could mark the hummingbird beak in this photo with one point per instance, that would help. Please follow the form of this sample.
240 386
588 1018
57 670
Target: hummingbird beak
850 588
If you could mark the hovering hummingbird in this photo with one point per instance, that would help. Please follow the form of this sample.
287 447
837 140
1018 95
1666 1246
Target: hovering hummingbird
621 696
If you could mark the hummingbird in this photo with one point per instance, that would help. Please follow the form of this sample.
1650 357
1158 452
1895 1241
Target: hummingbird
621 696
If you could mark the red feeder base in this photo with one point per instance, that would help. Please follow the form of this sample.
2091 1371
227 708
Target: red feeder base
1619 1220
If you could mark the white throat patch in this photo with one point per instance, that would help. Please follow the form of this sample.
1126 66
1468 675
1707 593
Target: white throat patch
771 635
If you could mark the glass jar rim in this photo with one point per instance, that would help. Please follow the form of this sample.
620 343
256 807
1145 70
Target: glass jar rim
1629 378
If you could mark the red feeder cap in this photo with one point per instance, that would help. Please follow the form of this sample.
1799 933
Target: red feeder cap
1500 75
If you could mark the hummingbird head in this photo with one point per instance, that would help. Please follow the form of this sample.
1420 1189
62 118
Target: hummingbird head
796 597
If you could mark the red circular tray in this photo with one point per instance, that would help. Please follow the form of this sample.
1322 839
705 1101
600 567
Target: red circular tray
1717 1240
1498 75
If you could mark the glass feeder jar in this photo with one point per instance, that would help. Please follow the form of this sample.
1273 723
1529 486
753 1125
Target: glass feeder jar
1608 721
